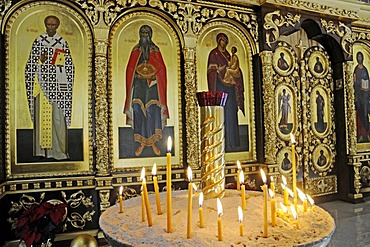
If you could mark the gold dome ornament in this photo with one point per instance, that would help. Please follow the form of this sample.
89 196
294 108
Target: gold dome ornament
84 240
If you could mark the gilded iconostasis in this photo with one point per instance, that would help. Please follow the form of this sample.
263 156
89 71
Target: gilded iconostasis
93 91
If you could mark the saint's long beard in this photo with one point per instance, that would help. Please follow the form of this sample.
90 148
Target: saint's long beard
144 43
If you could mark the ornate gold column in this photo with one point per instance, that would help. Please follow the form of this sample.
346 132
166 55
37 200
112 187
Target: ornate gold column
191 109
101 106
350 111
354 193
268 108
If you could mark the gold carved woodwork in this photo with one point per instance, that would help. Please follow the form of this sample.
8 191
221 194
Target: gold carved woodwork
273 21
192 135
322 186
74 201
101 110
268 96
349 94
104 196
4 6
318 8
318 140
341 30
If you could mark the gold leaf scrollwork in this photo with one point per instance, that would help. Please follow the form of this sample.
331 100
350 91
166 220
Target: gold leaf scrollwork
342 31
78 198
107 10
273 21
190 17
319 8
4 6
79 221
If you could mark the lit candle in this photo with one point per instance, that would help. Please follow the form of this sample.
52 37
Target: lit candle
219 222
284 208
272 184
146 197
294 171
201 219
120 200
238 175
264 189
273 208
303 198
295 216
290 192
240 216
168 186
195 189
286 195
156 189
283 212
190 201
142 205
244 205
312 202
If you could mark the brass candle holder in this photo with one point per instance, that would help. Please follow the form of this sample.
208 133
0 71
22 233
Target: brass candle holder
212 143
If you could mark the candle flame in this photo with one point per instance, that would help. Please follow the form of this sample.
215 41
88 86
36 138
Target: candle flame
292 138
271 178
283 186
219 207
190 174
290 192
154 169
301 195
169 144
294 213
238 165
240 214
241 177
271 193
195 187
284 179
283 207
312 202
120 191
142 176
200 199
263 176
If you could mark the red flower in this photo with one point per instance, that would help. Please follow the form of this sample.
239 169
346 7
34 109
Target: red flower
38 223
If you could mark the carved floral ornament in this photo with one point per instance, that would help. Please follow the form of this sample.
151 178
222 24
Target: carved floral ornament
274 20
341 30
189 16
320 8
74 201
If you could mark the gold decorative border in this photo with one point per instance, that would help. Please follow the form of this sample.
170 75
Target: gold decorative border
10 163
322 186
243 38
319 8
342 31
155 15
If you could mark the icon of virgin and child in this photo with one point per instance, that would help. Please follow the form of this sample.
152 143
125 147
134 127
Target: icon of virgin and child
224 75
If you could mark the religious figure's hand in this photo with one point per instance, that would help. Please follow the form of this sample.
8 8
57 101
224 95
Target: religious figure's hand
220 68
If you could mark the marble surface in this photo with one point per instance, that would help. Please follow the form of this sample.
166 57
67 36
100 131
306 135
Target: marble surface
352 223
